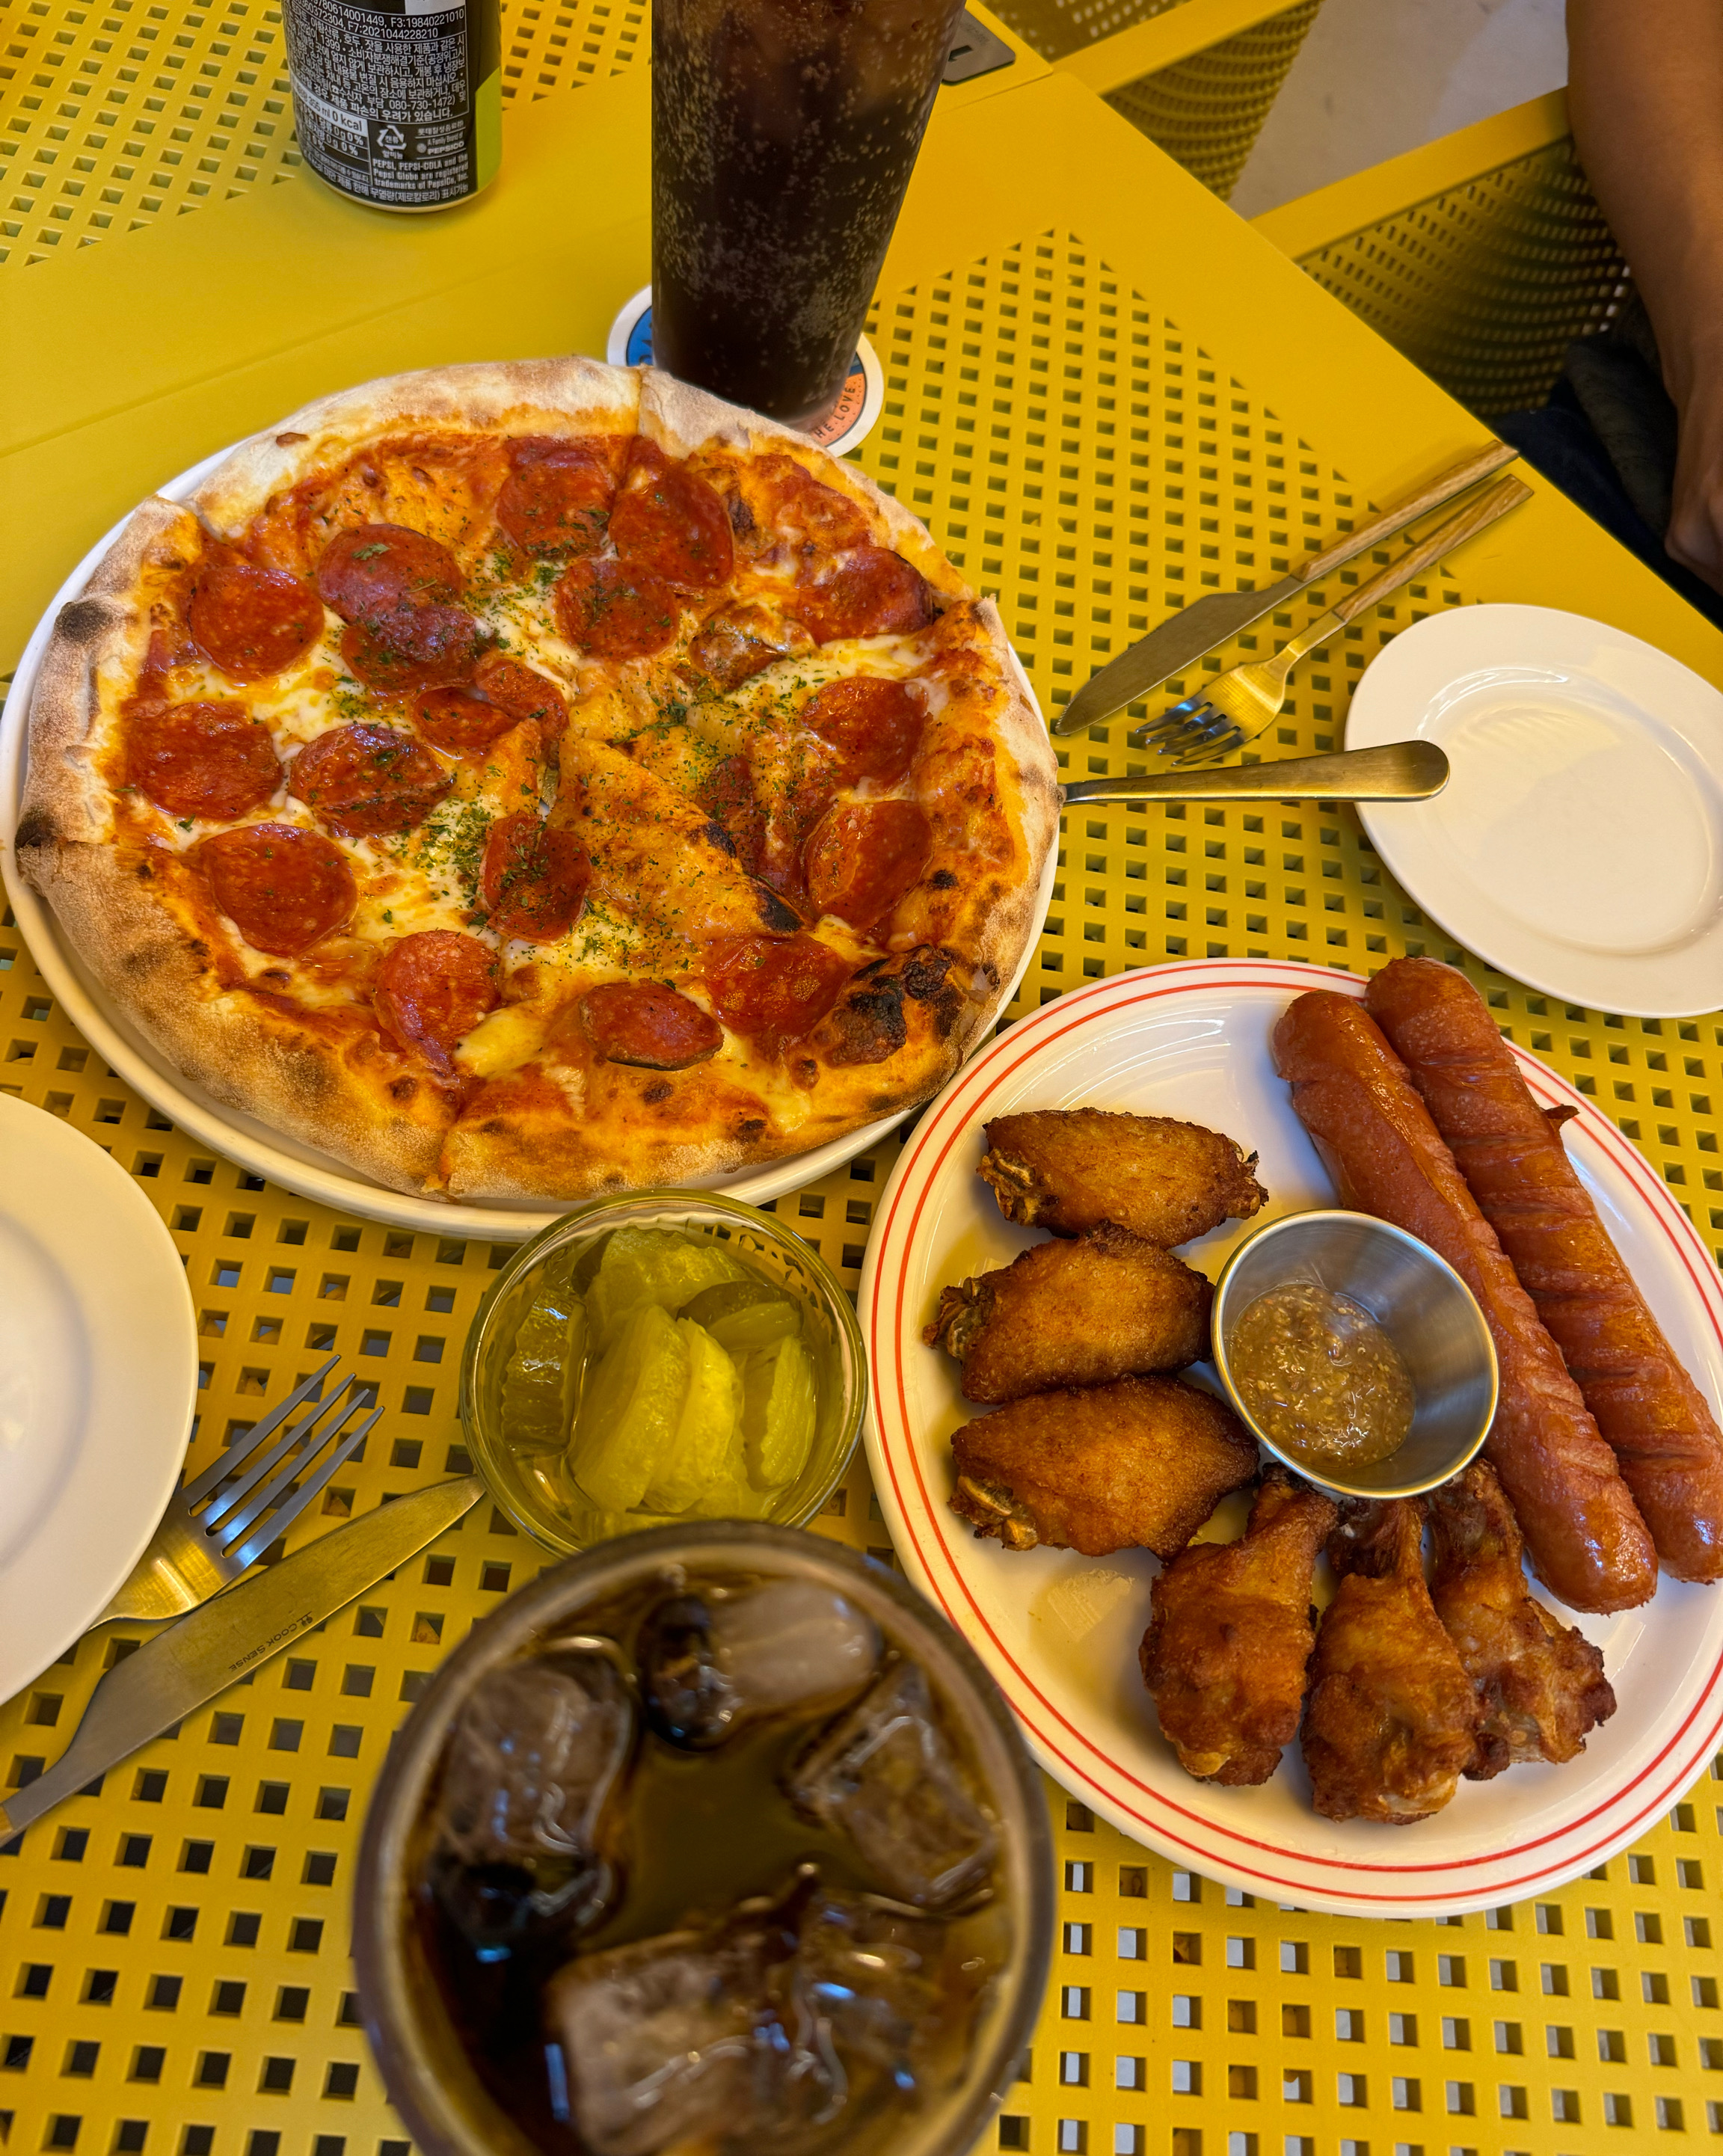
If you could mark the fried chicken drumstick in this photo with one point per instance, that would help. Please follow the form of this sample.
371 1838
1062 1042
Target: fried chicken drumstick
1393 1719
1226 1652
1540 1683
1080 1313
1139 1464
1069 1169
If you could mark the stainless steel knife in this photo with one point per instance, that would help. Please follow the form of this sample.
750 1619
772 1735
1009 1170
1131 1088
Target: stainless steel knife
1186 635
238 1630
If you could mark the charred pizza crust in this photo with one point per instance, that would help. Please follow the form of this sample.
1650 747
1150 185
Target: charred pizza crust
541 1117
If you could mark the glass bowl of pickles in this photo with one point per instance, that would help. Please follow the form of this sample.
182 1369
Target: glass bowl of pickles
671 1356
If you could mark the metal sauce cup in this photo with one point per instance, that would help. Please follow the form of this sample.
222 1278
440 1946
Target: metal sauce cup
1420 1302
430 2077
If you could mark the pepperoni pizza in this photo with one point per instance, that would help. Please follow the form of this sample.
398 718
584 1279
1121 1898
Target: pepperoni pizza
536 779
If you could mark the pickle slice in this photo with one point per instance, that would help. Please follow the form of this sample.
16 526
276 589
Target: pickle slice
542 1381
703 1450
746 1314
659 1265
628 1416
734 1498
778 1413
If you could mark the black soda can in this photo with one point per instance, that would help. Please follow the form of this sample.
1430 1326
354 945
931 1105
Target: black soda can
398 103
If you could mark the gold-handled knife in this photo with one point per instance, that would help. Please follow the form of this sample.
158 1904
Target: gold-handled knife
1395 771
1183 637
233 1634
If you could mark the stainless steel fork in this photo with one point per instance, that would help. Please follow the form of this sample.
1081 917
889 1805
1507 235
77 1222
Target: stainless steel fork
247 1498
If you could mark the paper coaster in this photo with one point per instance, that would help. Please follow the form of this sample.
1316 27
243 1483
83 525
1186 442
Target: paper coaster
851 420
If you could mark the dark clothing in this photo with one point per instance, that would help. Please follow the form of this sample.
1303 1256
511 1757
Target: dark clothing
1607 438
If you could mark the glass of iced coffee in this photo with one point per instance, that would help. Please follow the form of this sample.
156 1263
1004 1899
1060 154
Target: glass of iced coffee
783 136
717 1838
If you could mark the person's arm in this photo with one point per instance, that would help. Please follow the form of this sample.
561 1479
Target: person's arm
1645 94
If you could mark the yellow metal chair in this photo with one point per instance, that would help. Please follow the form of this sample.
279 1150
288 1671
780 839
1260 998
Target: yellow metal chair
1197 76
1481 257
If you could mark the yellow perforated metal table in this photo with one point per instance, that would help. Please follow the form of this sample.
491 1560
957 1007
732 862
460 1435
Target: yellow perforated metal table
1106 395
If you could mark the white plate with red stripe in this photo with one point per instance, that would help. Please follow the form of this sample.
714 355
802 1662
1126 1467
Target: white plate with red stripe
1060 1632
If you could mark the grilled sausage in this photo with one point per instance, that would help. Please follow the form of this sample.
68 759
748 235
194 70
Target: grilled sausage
1665 1440
1587 1542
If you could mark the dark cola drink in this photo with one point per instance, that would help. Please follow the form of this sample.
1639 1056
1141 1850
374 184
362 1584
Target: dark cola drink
717 1871
783 136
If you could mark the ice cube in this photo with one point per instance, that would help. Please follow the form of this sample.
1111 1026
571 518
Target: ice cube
711 1663
866 1973
676 2037
536 1752
885 1774
763 2026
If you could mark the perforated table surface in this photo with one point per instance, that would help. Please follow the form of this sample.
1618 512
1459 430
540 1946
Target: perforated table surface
1104 395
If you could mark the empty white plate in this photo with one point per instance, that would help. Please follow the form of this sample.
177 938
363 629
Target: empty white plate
1578 844
98 1378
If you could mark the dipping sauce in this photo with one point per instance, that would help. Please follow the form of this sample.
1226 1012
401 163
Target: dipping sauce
1320 1377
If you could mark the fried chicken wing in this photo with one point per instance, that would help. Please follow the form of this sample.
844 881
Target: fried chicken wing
1227 1649
1069 1169
1393 1720
1079 1313
1139 1464
1540 1685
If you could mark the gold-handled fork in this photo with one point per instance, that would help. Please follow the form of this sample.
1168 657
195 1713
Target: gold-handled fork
1230 712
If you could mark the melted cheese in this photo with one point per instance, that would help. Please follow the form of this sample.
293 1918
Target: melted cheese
508 1038
428 879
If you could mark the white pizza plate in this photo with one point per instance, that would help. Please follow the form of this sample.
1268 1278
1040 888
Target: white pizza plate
1578 844
98 1378
1060 1632
266 1152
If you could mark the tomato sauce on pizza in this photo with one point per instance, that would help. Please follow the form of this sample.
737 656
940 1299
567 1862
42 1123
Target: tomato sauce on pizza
539 779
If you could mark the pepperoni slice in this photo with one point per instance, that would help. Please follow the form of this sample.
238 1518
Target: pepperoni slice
375 566
865 856
253 623
432 990
741 641
727 795
869 591
284 888
647 1024
556 499
410 647
875 725
773 989
522 692
169 645
611 611
200 759
817 515
460 720
534 878
669 524
365 778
